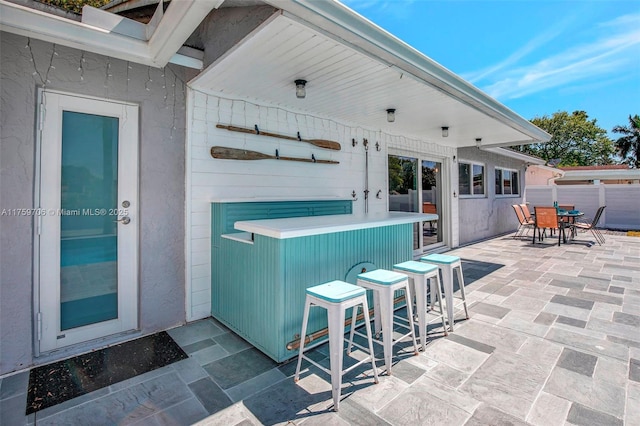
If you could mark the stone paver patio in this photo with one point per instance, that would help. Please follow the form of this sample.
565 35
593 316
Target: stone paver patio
553 339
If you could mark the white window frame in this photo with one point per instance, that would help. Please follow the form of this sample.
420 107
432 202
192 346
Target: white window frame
484 179
502 194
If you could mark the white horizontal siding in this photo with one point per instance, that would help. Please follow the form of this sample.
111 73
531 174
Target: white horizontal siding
211 179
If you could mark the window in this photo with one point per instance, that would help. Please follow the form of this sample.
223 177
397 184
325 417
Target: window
470 179
507 182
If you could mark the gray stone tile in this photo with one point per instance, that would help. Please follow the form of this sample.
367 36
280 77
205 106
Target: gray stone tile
489 310
568 311
496 336
12 410
523 303
195 332
634 370
183 413
255 385
613 371
596 297
486 415
508 382
212 398
622 278
566 283
614 328
373 397
456 356
189 370
233 370
323 419
231 342
584 416
632 413
548 410
507 290
407 372
446 375
416 405
572 301
616 290
128 405
454 397
571 321
289 402
357 415
578 362
473 344
598 395
545 318
14 385
209 354
202 344
627 319
625 342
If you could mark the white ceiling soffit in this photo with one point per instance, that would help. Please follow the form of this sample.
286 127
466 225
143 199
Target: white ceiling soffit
180 20
348 85
347 25
515 155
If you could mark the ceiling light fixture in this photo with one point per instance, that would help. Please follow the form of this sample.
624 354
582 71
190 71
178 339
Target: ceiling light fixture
391 115
301 91
445 131
478 142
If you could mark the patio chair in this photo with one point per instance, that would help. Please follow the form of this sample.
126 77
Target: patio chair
526 212
586 225
546 218
524 223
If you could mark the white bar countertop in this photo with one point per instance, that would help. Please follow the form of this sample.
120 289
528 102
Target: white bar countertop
292 227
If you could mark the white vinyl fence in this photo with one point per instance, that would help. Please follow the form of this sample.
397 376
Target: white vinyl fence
622 201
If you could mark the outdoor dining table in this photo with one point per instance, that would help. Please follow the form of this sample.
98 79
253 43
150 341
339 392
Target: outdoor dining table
570 216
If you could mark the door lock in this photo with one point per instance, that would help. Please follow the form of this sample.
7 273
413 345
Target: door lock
125 220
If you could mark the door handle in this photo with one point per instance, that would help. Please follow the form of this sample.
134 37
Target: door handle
125 220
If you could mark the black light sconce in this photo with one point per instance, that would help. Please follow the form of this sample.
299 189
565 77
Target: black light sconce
445 131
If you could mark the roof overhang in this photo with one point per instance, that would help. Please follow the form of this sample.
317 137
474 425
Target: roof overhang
180 20
529 159
616 174
355 71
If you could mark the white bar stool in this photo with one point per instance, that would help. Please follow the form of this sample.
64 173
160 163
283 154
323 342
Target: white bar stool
447 265
384 283
336 297
419 273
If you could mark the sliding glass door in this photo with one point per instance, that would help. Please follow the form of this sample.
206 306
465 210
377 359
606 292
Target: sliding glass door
415 185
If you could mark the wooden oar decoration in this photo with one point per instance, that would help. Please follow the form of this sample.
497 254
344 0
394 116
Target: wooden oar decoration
225 153
320 143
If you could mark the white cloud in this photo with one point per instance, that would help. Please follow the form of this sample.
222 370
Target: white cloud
614 53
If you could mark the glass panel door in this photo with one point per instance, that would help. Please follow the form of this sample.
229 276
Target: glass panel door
432 201
88 225
87 270
403 189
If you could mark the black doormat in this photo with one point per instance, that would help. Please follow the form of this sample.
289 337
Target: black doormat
58 382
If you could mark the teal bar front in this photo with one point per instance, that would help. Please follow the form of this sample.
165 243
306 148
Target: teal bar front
258 286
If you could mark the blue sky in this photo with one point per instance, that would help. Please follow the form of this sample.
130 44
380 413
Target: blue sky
536 57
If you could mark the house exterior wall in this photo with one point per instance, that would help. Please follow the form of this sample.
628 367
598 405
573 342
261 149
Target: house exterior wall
161 180
210 180
490 215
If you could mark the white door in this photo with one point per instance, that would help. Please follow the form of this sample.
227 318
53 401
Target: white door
87 227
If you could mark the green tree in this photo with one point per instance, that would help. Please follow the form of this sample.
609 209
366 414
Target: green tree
575 140
75 5
629 145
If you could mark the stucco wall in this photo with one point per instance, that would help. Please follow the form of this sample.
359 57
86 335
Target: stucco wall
161 180
488 216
